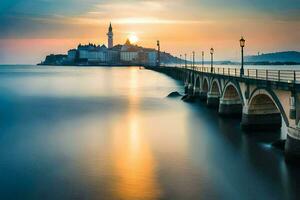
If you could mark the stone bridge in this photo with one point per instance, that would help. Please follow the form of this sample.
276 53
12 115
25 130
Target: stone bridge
264 99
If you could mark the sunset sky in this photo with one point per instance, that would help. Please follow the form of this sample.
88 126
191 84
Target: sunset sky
30 29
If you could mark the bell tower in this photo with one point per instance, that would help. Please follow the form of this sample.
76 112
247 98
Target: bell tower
110 36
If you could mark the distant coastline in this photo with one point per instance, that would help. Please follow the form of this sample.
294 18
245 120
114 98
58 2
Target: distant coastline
262 63
140 57
128 65
277 58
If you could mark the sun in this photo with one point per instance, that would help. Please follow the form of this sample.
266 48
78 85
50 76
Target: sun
133 38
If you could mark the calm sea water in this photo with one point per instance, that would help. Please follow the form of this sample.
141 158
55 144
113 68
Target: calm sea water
110 133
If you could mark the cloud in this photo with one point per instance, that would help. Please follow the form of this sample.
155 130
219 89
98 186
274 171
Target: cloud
104 21
24 17
181 24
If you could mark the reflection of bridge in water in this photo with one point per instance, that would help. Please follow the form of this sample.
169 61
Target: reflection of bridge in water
262 97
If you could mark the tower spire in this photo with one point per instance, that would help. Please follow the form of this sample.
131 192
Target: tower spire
110 27
110 35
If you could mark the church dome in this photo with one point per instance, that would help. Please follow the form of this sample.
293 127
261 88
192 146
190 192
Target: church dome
126 46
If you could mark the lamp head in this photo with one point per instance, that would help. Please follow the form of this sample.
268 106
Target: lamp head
242 42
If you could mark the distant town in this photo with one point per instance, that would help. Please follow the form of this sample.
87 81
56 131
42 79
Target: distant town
132 54
126 54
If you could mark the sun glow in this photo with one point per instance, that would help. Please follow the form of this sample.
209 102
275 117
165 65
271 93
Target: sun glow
133 38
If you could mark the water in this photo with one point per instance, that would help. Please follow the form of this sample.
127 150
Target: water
110 133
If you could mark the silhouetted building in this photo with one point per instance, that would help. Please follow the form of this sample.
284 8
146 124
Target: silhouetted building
129 53
152 57
72 55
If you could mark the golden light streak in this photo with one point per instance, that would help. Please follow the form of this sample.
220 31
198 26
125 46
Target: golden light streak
134 164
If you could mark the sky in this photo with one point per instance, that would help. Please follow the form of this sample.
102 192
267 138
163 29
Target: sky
31 29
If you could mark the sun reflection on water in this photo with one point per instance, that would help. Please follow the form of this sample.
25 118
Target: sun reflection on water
134 163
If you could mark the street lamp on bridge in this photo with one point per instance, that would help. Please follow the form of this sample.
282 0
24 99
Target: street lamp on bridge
158 54
185 64
180 60
212 59
193 60
242 44
202 60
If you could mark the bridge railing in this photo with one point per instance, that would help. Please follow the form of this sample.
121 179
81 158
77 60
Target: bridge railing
290 76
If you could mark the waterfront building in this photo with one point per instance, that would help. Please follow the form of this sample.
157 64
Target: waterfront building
129 56
151 58
129 53
84 51
112 56
72 55
92 54
101 54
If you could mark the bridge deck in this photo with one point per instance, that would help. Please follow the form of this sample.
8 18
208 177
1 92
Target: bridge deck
284 79
288 76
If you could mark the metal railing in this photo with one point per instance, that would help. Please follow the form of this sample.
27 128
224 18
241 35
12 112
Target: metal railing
288 76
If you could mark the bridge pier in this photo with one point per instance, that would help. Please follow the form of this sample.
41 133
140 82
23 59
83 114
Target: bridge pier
196 91
261 113
203 95
213 100
292 145
186 86
190 89
292 113
261 121
230 107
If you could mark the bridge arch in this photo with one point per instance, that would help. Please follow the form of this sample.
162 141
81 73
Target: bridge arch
215 87
214 94
267 98
205 84
197 81
232 91
231 101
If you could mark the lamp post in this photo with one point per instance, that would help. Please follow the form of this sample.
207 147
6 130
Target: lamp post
202 60
180 60
193 60
242 44
158 54
212 59
185 64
